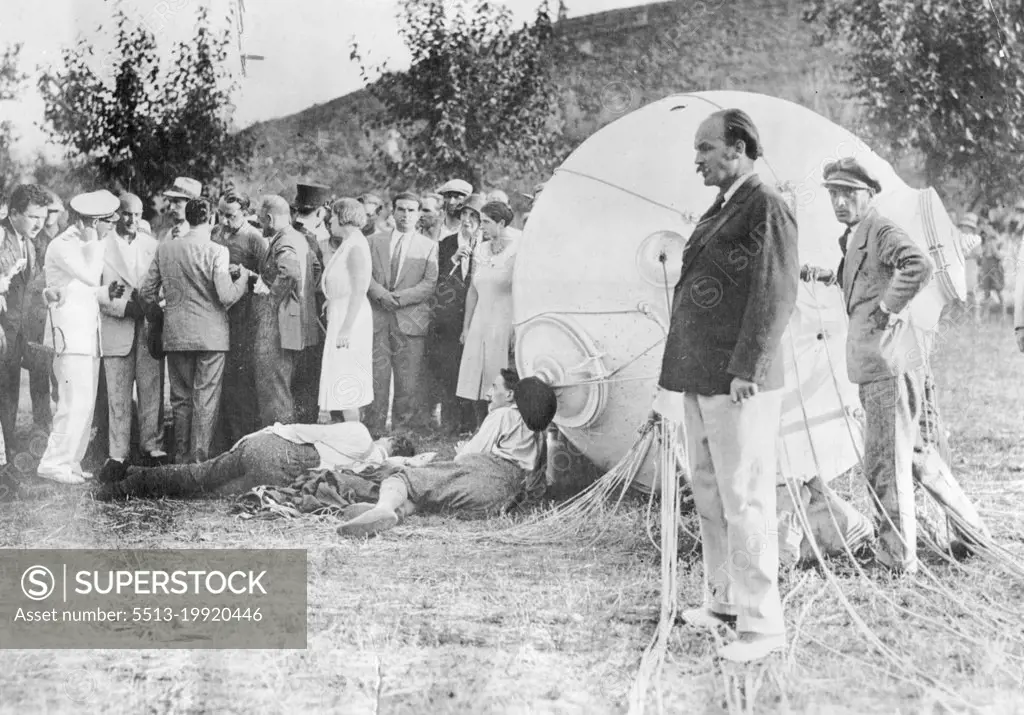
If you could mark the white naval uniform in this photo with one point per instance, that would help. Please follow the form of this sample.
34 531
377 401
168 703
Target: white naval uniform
72 330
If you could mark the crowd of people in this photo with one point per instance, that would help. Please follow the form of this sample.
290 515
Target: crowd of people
255 313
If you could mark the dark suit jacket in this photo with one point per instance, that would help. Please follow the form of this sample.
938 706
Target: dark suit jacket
19 295
290 271
735 295
450 294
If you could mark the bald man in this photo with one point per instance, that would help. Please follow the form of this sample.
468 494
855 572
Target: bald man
285 306
127 364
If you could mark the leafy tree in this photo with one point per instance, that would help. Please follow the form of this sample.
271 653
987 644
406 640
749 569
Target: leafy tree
10 82
480 94
138 124
941 77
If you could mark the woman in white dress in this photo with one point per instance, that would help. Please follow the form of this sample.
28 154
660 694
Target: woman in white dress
346 373
487 328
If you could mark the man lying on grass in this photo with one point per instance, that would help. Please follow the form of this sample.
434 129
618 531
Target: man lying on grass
500 467
275 455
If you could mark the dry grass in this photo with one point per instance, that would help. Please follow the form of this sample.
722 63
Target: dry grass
430 618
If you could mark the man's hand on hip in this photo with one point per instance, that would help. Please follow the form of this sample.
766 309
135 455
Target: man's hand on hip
741 389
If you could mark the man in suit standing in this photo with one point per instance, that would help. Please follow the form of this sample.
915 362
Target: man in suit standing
444 343
880 273
27 212
181 192
127 255
247 247
402 284
310 211
721 377
199 287
285 302
41 381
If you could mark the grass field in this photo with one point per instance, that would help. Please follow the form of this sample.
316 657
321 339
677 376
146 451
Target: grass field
430 619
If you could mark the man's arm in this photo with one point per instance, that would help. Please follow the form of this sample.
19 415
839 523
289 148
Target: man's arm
289 272
228 290
149 293
911 267
425 288
376 291
772 297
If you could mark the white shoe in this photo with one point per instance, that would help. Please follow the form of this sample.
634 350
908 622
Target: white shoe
704 617
64 476
158 454
78 471
752 646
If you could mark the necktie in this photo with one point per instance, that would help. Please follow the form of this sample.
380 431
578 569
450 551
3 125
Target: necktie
396 257
715 207
843 239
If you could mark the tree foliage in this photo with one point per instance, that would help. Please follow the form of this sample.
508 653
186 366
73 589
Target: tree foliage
479 93
942 77
10 83
140 124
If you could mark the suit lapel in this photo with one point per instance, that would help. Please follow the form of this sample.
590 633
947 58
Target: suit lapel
707 229
859 242
411 248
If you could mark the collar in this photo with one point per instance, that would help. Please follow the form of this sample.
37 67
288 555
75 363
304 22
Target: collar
735 187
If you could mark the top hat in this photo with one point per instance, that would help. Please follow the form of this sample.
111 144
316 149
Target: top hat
184 188
95 204
850 173
311 196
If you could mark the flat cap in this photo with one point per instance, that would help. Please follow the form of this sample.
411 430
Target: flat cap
850 173
456 186
95 204
474 203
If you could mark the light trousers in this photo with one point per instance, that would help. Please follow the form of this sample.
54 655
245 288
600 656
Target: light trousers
137 369
891 408
77 376
732 456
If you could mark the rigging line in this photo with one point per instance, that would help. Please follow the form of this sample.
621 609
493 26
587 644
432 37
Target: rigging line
625 311
649 200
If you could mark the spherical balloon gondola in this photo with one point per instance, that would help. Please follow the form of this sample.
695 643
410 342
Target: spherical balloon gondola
601 253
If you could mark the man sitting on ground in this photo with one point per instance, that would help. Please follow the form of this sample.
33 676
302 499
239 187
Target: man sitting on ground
275 455
500 467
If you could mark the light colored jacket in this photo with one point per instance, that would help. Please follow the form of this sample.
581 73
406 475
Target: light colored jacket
76 268
127 263
414 287
881 263
198 290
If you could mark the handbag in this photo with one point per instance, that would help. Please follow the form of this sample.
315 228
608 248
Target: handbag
155 338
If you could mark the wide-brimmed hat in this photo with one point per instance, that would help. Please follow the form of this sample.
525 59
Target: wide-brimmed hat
968 220
95 204
456 186
311 196
184 188
850 173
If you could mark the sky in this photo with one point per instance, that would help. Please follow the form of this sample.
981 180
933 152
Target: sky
306 45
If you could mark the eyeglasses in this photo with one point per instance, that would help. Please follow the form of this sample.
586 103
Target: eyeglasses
108 219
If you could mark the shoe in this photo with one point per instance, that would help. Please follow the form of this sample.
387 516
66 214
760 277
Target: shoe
371 523
64 476
704 617
113 470
351 512
110 492
752 646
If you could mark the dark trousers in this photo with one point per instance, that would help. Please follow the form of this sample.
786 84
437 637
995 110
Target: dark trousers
196 382
306 384
40 385
10 389
274 368
239 406
404 356
260 459
444 355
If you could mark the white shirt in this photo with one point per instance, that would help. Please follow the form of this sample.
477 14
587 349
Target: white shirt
395 235
505 435
735 186
339 445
